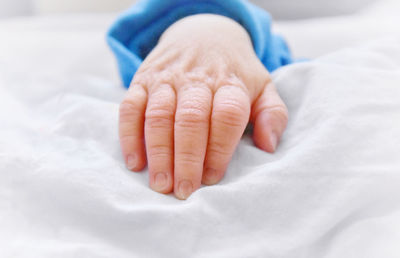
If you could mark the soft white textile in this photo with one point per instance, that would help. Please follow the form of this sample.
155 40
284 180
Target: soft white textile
331 190
300 9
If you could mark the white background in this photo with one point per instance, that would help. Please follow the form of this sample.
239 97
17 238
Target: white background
282 9
15 7
10 8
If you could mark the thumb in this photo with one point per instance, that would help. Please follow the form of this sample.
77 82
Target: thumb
270 117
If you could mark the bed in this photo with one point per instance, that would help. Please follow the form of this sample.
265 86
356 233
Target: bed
331 190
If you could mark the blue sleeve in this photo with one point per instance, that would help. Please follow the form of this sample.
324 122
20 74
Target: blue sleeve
136 32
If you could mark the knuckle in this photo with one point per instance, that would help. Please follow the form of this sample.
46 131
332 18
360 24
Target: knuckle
164 76
141 76
167 75
232 113
129 109
195 94
232 81
159 150
158 122
159 116
126 138
219 148
191 116
188 157
155 113
280 112
199 77
194 107
160 108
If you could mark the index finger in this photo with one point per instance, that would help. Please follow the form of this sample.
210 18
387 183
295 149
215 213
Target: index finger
131 127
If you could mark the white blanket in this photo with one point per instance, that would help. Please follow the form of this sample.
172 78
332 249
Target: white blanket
332 189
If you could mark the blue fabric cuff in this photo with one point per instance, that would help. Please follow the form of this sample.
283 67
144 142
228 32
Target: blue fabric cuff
137 31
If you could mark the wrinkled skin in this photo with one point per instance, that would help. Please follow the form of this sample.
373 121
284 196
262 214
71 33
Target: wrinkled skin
190 102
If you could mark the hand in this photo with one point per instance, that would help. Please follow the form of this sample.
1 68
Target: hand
190 102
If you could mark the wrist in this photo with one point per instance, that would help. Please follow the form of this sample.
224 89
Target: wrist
214 29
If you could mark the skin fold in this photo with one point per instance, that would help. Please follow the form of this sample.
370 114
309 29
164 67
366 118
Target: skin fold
190 102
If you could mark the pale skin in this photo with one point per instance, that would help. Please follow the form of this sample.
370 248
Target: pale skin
190 102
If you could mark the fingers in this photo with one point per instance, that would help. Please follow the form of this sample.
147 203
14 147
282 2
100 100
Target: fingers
191 136
230 115
159 135
131 119
270 116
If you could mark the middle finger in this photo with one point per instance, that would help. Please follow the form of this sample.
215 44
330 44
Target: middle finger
192 120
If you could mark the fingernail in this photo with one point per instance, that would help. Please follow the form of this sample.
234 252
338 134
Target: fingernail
131 162
273 138
210 176
185 189
160 181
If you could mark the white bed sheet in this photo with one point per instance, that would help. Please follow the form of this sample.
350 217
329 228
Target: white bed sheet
331 190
